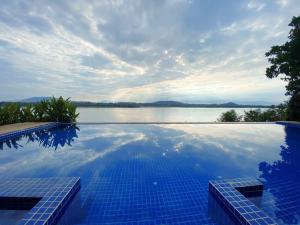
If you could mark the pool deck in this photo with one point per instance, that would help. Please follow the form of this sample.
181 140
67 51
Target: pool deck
19 126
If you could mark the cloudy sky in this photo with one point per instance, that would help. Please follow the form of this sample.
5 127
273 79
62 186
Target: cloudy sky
187 50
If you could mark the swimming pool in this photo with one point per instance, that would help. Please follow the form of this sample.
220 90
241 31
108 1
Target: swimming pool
159 174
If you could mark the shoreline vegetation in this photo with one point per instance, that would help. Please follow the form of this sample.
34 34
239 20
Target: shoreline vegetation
276 113
49 110
33 101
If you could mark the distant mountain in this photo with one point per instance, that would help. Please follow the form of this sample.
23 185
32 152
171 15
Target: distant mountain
230 105
167 103
34 99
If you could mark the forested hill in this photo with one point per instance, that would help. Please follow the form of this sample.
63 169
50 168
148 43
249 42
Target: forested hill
166 104
34 100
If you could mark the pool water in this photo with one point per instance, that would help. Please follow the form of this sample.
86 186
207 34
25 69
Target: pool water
158 174
8 217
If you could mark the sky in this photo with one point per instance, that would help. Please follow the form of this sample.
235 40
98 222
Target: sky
195 51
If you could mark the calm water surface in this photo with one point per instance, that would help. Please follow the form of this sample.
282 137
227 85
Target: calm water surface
158 174
152 114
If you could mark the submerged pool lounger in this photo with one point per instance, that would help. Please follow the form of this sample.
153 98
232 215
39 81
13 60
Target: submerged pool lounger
232 194
45 198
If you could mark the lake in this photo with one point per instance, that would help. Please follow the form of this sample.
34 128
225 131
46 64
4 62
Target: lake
152 114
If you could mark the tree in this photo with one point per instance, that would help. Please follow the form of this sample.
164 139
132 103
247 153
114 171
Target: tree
275 113
253 115
285 59
230 116
293 110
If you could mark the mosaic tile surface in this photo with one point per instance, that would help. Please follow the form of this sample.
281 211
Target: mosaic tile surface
144 174
232 195
46 198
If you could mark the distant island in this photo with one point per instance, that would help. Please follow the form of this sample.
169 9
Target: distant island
35 100
164 104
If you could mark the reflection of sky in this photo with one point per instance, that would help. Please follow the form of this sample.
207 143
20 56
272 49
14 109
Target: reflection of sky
206 146
229 147
166 157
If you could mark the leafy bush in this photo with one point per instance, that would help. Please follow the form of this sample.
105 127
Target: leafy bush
276 113
26 113
60 110
253 115
10 113
41 111
230 116
53 110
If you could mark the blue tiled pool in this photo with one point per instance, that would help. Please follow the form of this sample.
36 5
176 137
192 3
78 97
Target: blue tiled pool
159 174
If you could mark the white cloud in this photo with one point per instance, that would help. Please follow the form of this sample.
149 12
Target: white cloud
256 5
283 3
139 50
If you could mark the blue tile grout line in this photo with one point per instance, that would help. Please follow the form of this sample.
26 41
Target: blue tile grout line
232 193
53 194
13 134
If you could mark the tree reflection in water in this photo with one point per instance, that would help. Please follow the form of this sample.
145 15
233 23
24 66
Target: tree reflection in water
282 178
49 138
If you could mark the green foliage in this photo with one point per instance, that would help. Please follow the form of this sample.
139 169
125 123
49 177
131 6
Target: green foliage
26 113
253 115
273 114
276 113
61 110
285 59
293 111
41 111
10 113
230 116
53 110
